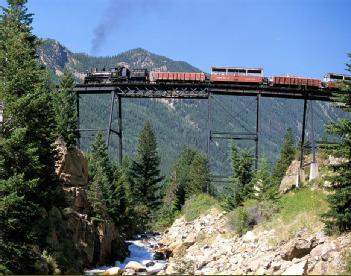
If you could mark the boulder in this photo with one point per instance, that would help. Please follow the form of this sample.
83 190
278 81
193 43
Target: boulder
156 268
190 240
112 271
296 269
71 165
249 237
137 267
289 180
322 251
297 248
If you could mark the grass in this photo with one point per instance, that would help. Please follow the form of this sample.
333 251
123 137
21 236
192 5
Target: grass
299 209
347 263
197 205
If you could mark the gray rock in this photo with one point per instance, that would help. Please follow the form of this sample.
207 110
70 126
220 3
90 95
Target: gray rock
296 269
297 248
132 265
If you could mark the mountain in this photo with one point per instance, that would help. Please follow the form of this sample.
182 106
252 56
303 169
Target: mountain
180 123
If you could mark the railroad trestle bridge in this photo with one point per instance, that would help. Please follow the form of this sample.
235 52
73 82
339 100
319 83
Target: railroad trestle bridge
205 91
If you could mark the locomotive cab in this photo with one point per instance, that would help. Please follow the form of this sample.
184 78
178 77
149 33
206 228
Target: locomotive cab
120 74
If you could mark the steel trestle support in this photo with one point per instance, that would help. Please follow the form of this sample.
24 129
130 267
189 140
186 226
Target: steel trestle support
248 136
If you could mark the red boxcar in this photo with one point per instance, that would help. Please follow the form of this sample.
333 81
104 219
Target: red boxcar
295 81
236 78
178 76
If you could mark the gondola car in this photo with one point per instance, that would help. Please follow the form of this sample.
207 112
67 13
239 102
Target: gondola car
295 82
236 75
166 77
335 81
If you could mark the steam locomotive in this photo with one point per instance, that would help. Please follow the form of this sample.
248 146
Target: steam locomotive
227 75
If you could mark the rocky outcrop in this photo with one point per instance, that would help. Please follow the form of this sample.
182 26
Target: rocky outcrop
289 180
203 247
77 240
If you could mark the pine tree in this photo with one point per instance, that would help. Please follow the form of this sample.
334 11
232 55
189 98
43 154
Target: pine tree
99 156
145 171
286 156
338 218
95 194
199 174
261 181
117 197
65 110
240 186
27 177
100 188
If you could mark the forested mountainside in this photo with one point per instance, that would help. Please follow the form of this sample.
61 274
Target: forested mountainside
180 123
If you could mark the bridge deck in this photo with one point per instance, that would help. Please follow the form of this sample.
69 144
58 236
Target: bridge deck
202 90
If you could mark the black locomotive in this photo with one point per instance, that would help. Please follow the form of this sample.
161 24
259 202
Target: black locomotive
117 74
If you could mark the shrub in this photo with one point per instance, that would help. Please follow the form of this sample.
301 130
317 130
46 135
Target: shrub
197 205
240 220
262 211
164 218
51 263
347 263
244 218
4 270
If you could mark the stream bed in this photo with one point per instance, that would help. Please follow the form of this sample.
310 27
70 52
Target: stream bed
141 250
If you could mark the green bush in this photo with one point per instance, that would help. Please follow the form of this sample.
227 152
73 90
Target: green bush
51 263
4 270
197 205
347 263
164 218
240 221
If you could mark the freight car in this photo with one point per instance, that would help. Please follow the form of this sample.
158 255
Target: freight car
236 75
165 77
287 81
335 81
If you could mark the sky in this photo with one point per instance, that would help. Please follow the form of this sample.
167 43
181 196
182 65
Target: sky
300 37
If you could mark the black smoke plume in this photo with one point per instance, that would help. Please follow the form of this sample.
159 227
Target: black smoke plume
117 15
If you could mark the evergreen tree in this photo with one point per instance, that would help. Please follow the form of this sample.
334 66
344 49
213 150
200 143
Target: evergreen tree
338 218
99 155
261 181
286 156
65 110
95 194
117 197
199 174
181 176
106 191
240 186
190 175
145 171
27 176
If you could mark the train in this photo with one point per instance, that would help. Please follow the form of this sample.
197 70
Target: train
223 75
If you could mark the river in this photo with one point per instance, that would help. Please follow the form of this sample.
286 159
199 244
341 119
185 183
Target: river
141 251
